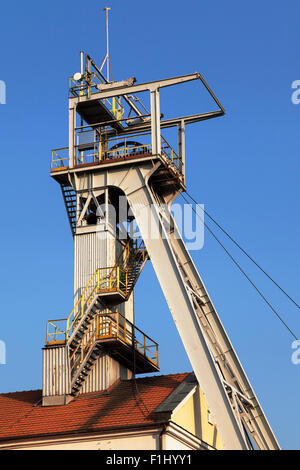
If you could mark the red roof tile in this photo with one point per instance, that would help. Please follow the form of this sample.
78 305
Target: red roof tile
128 403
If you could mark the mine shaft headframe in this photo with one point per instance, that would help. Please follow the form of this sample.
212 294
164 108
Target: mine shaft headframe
109 90
127 87
92 88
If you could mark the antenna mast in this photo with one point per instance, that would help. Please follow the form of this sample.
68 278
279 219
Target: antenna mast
106 58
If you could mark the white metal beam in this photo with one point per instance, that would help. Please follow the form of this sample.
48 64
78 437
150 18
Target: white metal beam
180 303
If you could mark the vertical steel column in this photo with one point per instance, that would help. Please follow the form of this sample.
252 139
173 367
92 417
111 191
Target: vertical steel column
72 123
158 245
181 145
155 122
106 208
81 62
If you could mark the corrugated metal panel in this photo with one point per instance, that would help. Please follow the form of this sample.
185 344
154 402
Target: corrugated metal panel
103 374
56 373
127 308
119 248
91 251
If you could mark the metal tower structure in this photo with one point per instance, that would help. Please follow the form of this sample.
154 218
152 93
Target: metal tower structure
116 171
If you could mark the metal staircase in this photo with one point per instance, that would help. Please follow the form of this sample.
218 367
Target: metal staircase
83 360
112 333
69 197
132 261
105 282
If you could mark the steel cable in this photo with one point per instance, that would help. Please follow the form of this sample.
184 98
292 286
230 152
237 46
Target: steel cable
241 270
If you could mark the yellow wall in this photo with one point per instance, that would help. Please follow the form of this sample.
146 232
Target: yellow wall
193 416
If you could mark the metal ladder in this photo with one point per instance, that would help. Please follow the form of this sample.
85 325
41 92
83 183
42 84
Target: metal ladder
69 196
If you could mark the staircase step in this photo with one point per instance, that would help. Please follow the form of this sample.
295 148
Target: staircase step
133 266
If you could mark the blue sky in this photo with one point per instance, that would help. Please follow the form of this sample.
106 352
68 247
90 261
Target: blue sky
244 167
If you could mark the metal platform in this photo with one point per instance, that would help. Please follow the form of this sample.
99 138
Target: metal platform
95 111
130 357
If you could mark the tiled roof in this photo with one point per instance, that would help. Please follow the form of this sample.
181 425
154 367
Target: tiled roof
128 403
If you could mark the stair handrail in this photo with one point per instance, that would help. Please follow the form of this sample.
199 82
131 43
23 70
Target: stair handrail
127 332
83 301
133 246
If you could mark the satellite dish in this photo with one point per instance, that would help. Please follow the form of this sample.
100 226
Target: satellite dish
77 76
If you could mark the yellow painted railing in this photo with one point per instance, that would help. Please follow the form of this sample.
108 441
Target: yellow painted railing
114 325
60 159
133 252
57 335
113 149
104 280
171 155
88 87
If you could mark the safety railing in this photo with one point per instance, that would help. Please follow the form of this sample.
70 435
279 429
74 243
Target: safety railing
111 149
104 281
114 149
91 86
171 156
84 88
60 159
98 153
133 253
114 326
55 334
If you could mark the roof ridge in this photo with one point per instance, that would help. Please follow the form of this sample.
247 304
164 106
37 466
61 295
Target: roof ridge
116 383
27 419
21 391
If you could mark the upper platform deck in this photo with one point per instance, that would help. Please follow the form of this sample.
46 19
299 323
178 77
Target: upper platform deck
116 150
109 126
